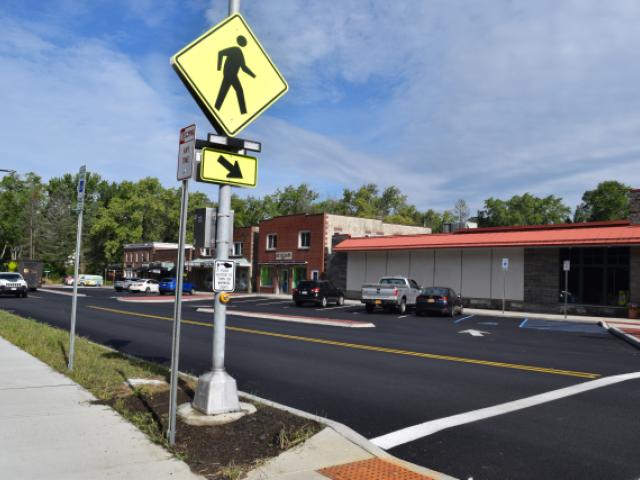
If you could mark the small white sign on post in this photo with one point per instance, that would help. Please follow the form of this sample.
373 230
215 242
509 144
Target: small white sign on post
566 265
505 264
224 276
187 152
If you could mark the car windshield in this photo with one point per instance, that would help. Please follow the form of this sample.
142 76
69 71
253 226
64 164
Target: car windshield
434 291
306 284
392 281
12 277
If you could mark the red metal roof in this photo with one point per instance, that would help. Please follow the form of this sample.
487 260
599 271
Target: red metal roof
585 234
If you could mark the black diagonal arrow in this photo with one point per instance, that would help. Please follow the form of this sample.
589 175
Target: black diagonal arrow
234 170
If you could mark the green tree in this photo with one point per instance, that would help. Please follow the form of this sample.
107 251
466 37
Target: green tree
608 201
525 209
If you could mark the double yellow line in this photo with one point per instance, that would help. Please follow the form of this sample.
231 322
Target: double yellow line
370 348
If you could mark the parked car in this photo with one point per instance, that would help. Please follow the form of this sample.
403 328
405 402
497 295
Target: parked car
168 285
390 293
146 285
439 300
124 283
12 283
85 280
319 292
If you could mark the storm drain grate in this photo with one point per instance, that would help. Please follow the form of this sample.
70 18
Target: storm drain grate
373 469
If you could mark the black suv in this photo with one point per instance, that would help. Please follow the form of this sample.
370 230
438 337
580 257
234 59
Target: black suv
317 291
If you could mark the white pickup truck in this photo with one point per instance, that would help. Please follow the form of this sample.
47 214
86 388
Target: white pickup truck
390 293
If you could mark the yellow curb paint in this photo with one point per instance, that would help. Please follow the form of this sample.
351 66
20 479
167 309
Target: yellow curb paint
371 348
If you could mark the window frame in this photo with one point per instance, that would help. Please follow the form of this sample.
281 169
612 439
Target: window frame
301 233
274 243
237 253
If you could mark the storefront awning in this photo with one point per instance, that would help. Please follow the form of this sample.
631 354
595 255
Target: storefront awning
283 263
208 262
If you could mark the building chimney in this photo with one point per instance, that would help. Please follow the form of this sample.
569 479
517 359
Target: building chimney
634 206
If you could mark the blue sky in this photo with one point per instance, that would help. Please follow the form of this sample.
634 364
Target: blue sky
444 99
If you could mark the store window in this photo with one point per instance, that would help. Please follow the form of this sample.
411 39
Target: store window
299 275
598 276
272 241
304 239
266 276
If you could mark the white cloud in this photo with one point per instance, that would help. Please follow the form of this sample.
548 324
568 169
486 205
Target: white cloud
73 102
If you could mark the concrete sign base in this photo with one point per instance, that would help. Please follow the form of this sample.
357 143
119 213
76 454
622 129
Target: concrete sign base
216 393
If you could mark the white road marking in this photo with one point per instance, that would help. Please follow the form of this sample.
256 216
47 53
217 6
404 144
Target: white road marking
333 308
409 434
463 318
474 333
66 294
403 316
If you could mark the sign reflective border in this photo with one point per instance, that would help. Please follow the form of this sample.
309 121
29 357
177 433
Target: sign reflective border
229 75
218 166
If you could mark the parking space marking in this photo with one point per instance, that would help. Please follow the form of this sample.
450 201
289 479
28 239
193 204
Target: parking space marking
523 323
409 434
372 348
463 318
403 316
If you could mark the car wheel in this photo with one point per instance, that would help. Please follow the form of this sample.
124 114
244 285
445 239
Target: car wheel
369 307
461 311
147 291
323 302
24 294
340 301
161 293
452 312
402 306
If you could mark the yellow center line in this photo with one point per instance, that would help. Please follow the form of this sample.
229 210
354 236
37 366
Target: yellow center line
371 348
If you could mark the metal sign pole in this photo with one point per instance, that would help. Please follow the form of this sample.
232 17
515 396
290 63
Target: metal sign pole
504 289
566 291
177 314
76 268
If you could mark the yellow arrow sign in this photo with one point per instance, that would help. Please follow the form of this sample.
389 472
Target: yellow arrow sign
218 166
229 74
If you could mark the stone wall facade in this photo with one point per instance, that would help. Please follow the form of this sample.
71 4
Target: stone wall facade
541 279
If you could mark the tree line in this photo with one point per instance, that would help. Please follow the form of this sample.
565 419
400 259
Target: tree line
38 220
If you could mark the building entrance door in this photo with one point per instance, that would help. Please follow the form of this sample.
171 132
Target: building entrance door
284 281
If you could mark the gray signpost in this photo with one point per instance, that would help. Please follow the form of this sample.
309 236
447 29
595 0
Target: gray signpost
505 269
216 391
566 266
82 180
186 170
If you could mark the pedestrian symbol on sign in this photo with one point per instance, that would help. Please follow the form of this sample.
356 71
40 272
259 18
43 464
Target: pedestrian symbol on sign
232 66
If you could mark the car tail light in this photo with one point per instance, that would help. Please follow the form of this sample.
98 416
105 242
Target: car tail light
315 290
445 299
395 292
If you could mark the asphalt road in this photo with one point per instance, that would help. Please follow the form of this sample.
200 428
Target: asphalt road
406 371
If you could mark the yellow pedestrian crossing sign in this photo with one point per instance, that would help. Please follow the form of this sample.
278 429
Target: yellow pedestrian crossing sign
229 74
218 166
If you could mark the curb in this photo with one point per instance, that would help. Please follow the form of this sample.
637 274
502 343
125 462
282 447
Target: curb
351 435
619 333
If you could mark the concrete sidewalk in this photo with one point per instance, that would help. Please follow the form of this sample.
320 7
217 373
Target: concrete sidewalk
51 430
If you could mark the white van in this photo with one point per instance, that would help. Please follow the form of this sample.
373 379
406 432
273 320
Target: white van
90 280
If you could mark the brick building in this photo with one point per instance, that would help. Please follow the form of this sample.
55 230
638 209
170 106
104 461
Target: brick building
243 252
604 262
298 247
152 259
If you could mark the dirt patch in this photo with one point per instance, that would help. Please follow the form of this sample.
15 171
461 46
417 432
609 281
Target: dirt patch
222 452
